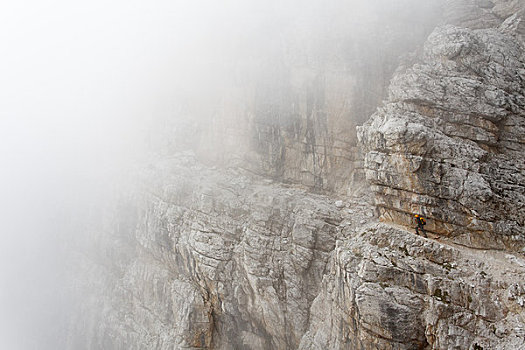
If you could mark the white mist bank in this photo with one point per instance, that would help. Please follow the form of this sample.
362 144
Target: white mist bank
81 83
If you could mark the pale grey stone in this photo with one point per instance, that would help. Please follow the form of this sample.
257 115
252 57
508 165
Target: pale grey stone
203 257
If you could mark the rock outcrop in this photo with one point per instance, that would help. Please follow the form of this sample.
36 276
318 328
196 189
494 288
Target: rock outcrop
391 290
203 258
214 259
478 14
291 110
447 141
246 256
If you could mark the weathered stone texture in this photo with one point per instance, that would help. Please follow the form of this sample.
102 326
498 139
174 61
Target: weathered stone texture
198 257
387 290
223 260
448 141
291 111
216 260
478 14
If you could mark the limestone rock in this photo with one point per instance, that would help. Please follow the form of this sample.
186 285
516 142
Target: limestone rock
478 14
216 257
220 259
290 107
387 290
446 143
216 260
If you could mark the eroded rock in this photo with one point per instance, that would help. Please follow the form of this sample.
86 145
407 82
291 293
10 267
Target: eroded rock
445 145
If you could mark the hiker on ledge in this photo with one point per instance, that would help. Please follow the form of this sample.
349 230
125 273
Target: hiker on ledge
421 222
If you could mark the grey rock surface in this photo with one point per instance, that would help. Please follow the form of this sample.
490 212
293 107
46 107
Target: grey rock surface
220 259
215 260
448 141
478 14
291 111
215 257
391 290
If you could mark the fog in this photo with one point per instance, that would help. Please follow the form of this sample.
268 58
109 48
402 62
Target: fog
80 85
83 88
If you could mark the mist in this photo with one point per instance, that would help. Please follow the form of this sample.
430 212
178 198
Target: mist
81 84
85 89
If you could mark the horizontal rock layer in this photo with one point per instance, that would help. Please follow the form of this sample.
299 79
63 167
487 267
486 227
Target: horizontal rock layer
448 141
211 259
214 260
290 103
390 290
196 257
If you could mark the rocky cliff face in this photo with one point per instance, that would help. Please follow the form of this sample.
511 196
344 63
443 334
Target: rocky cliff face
391 290
222 260
216 260
199 257
447 141
297 95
